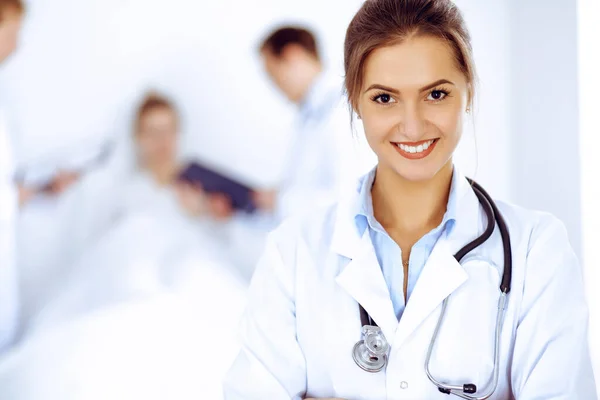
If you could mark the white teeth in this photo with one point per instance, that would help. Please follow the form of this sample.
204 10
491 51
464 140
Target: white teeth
415 149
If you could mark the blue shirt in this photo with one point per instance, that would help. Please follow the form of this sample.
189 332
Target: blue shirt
389 253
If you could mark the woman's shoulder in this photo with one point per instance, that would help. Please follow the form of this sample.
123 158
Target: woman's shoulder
536 230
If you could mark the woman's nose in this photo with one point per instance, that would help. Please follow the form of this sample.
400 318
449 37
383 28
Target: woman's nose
412 125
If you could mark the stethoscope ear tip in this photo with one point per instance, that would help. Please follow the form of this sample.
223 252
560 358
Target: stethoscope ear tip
468 388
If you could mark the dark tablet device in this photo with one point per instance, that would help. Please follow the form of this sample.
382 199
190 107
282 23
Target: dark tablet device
214 182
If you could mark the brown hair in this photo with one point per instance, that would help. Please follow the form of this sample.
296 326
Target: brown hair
14 4
283 36
381 23
152 101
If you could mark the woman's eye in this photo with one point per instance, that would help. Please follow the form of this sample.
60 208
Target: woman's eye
437 95
383 98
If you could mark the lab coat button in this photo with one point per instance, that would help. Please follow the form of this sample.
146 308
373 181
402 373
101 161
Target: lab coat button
403 385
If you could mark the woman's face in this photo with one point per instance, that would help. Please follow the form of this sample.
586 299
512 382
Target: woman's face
157 136
412 105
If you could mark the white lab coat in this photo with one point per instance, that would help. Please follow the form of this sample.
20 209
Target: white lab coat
8 272
303 318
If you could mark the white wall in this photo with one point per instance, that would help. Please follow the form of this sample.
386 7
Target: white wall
81 65
589 87
76 77
544 109
486 149
555 60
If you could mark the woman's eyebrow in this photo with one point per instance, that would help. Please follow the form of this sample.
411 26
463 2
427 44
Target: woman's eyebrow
436 83
396 91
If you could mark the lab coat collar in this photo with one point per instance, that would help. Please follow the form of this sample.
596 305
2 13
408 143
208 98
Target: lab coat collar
363 279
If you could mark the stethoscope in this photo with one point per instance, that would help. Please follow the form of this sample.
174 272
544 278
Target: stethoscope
370 353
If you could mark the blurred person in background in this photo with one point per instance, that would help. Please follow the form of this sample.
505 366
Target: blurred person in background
11 15
154 182
321 158
156 135
324 156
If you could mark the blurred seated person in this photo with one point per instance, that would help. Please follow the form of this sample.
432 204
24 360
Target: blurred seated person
154 181
149 220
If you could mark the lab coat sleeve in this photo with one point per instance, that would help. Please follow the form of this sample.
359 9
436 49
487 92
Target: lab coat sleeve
551 355
271 363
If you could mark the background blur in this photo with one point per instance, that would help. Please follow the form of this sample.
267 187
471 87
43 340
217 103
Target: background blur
83 65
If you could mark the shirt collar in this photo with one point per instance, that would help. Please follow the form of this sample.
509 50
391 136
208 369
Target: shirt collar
364 214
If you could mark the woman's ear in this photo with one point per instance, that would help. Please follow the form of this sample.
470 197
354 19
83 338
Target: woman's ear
470 98
356 111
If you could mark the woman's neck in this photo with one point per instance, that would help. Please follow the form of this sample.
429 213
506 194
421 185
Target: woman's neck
410 209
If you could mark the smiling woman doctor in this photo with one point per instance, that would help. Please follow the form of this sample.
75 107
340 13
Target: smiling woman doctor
389 294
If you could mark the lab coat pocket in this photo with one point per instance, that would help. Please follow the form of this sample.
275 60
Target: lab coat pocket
464 350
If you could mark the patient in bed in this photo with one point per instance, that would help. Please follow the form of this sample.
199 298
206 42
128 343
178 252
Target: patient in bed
154 227
149 293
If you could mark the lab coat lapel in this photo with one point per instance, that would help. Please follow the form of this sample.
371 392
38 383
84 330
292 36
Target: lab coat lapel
361 277
442 274
363 280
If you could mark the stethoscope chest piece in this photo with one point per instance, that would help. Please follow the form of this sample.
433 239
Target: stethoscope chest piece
370 354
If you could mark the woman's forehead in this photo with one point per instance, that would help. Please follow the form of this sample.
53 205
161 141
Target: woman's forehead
412 63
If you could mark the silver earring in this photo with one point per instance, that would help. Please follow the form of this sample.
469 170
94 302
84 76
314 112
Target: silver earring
468 111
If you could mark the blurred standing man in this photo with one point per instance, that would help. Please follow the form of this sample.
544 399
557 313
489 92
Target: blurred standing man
11 14
322 157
